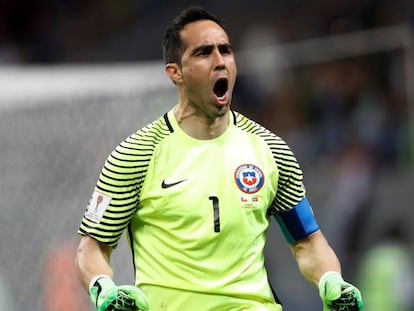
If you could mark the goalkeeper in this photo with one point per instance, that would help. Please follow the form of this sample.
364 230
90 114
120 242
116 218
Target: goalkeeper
196 191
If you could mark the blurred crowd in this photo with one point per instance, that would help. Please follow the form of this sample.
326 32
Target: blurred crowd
329 102
350 114
55 31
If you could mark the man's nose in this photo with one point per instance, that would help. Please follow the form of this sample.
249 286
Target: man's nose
219 60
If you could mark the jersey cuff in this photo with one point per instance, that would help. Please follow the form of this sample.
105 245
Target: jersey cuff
298 222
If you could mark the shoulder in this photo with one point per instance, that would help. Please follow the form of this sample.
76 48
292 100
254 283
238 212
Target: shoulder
149 135
140 145
250 126
154 131
281 152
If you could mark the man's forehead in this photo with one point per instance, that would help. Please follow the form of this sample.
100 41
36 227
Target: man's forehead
203 32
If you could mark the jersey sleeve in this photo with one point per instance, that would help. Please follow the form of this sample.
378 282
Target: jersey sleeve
290 208
290 189
115 199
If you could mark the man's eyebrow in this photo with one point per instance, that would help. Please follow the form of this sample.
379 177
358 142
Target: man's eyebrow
200 48
210 47
226 45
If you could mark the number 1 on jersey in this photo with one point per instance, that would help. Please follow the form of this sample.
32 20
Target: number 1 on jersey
216 212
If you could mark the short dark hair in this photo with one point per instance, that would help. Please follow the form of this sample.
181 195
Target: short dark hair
172 45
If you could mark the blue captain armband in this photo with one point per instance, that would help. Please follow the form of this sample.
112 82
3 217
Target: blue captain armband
298 222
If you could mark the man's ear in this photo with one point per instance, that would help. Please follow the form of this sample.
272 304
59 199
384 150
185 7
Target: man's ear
174 72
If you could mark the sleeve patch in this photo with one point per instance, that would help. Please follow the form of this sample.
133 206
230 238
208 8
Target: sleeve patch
298 222
97 207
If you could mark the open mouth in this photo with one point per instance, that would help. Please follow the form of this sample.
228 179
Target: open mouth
221 87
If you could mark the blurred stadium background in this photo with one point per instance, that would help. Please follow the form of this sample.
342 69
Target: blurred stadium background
334 78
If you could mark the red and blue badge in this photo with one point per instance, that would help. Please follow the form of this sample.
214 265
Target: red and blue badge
249 178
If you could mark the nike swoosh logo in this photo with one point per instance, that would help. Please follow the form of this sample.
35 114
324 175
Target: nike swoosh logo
165 185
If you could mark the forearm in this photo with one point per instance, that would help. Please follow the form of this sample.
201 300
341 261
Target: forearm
314 257
92 259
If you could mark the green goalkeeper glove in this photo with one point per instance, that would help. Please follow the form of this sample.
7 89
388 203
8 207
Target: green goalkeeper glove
108 297
338 295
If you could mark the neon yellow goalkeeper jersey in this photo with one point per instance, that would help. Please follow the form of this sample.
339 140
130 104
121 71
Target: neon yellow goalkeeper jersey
196 212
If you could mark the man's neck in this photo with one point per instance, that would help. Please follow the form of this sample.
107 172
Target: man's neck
198 125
